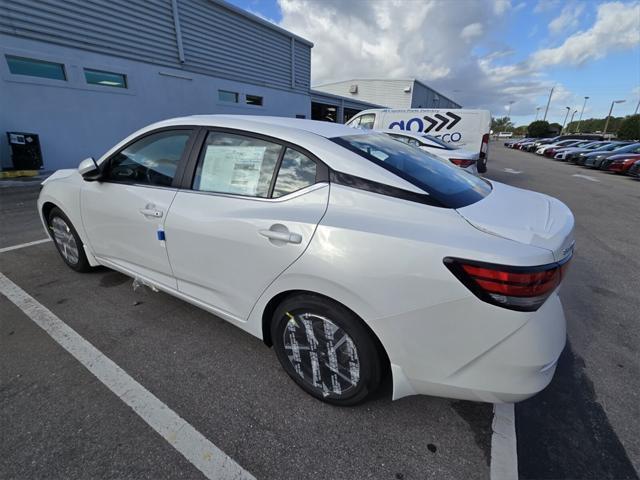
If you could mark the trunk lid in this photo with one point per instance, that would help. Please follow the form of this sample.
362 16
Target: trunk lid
523 216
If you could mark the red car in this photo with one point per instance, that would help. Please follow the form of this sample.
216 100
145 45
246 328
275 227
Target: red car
623 162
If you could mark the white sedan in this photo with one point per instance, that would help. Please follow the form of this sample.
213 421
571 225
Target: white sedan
462 158
352 254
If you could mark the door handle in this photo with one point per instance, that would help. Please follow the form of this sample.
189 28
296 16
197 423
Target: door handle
151 212
280 236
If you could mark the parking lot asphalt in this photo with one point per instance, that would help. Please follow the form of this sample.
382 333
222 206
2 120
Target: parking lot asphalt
58 421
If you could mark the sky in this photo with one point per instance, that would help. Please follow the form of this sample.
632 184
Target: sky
480 53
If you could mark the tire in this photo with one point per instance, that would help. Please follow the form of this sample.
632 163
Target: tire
66 239
314 322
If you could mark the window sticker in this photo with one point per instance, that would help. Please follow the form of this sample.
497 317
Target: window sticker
232 169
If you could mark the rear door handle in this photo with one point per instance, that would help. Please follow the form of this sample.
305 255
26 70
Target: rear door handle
151 212
282 236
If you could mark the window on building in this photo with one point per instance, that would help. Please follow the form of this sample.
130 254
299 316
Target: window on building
152 160
297 171
226 96
254 100
108 79
36 68
236 164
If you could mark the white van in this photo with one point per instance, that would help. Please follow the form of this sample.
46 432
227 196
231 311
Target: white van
463 128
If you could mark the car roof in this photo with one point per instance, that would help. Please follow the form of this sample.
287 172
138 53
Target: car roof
323 129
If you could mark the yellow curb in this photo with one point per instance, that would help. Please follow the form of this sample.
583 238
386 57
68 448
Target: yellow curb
19 173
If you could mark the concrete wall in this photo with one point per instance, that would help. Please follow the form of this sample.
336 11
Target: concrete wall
380 92
75 120
391 93
425 97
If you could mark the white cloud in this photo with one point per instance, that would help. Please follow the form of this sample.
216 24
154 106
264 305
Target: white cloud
546 5
435 44
472 31
568 20
617 27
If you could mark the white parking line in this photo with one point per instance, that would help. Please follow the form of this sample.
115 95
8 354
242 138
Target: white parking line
23 245
586 177
504 452
203 454
511 170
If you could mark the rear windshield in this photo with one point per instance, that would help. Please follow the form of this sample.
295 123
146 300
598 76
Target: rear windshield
447 184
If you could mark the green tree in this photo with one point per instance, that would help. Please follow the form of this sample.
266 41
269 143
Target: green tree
630 128
521 130
539 128
503 124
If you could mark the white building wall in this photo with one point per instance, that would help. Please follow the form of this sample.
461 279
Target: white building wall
389 93
75 120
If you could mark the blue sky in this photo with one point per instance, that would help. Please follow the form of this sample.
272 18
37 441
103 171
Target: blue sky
483 53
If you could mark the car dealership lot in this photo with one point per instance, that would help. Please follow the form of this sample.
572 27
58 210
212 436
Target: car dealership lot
62 422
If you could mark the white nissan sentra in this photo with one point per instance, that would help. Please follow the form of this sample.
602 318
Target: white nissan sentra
349 252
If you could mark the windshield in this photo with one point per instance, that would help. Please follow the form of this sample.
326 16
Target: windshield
445 183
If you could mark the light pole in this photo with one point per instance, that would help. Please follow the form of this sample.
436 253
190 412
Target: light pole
637 107
565 118
580 117
546 110
606 125
537 112
572 115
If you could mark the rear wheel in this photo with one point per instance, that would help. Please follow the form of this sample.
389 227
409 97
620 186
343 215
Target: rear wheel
326 349
67 241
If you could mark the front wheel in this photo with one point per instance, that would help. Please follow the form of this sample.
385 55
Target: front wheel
326 349
67 241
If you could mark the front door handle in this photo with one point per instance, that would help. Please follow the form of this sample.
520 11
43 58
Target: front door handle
151 212
280 236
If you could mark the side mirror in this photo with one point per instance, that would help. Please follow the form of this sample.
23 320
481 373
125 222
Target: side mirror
89 169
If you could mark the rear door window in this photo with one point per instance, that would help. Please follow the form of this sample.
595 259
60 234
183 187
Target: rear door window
236 164
296 172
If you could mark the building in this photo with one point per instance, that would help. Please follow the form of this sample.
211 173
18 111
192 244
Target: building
83 74
408 93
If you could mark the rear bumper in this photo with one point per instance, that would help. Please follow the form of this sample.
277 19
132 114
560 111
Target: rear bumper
519 362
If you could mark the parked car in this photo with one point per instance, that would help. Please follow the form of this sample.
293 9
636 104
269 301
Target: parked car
537 143
594 160
458 156
621 163
569 153
581 158
349 252
549 150
634 171
556 150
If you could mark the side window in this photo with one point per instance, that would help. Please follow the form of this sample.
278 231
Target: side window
236 164
297 171
152 160
367 121
355 123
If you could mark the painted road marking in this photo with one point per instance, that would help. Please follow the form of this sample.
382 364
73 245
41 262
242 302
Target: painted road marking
23 245
203 454
504 452
586 177
511 170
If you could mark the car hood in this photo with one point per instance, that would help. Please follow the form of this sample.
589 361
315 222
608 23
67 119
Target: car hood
58 174
523 216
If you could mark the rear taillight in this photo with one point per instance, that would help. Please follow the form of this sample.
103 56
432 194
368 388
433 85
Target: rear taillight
484 148
461 162
517 288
